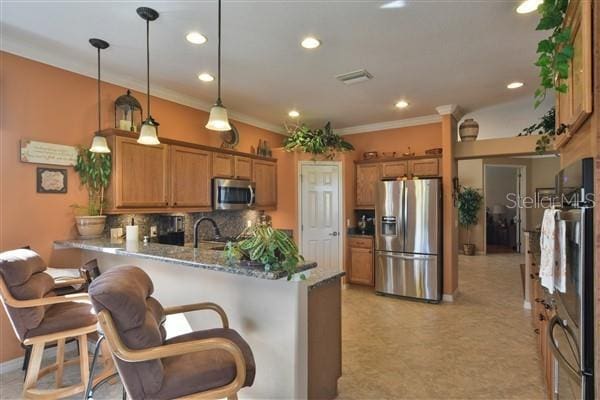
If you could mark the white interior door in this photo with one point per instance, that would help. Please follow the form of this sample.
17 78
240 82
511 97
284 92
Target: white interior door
320 214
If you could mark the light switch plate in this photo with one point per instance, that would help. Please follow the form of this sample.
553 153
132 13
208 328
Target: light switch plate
153 231
116 233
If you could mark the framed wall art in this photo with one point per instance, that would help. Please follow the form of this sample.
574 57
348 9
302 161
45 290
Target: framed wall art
51 180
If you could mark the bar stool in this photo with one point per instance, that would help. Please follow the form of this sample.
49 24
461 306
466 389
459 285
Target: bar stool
40 317
212 363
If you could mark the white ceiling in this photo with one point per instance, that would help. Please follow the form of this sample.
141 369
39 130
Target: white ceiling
429 52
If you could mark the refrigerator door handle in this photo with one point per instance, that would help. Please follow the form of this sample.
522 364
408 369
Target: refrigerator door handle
405 256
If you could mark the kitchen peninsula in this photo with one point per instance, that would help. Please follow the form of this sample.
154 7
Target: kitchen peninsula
293 327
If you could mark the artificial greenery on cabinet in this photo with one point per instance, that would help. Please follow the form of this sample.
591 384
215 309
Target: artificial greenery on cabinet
554 52
318 142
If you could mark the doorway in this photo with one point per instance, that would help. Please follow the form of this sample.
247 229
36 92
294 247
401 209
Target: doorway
320 217
503 219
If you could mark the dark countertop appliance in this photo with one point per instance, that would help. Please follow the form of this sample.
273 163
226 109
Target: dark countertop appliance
171 230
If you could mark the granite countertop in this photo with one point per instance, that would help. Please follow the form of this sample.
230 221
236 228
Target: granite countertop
321 276
204 257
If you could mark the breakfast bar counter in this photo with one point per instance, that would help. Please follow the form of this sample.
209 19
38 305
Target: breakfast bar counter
293 327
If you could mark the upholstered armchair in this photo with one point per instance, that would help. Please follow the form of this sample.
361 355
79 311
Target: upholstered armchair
213 363
38 317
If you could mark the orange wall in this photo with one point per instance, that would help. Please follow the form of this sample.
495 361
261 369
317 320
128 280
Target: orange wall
49 104
419 138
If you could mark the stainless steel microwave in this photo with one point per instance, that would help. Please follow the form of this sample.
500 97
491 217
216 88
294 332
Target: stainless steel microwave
233 194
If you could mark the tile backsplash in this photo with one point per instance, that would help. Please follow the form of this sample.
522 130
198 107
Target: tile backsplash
230 223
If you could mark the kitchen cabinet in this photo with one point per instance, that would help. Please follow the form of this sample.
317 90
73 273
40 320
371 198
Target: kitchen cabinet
190 177
140 175
424 167
394 169
361 269
223 165
575 106
265 177
243 167
366 177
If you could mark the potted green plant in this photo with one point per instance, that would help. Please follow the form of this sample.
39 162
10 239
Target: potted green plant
267 247
94 171
317 142
469 204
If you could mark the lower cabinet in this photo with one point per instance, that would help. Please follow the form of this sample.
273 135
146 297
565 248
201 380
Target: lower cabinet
361 269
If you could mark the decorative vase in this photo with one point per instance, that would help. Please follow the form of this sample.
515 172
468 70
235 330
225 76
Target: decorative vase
90 226
468 249
468 130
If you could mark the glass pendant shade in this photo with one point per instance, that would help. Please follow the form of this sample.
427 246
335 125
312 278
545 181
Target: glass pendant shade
149 133
99 145
218 121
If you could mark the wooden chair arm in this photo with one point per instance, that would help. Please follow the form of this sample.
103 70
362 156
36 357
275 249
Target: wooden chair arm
124 353
8 298
200 306
60 283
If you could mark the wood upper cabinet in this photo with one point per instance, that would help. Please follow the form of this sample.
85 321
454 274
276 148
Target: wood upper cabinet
243 167
424 167
367 175
190 177
223 165
140 175
575 106
265 178
394 169
361 266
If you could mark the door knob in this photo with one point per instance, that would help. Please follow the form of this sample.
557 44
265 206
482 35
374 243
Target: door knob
333 234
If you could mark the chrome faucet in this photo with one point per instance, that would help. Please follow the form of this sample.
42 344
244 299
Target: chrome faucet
197 226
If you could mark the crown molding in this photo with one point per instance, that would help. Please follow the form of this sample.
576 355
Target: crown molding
33 52
381 126
452 109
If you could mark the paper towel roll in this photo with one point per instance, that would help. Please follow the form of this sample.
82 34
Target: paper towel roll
132 233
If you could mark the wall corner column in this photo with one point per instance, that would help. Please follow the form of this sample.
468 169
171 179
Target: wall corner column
450 117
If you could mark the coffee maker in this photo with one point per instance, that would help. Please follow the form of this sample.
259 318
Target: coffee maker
171 230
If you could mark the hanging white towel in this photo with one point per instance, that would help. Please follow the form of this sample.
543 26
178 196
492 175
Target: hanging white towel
560 266
549 248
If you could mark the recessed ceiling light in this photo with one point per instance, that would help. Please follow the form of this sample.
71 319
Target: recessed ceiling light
528 6
206 77
514 85
393 4
310 43
402 104
294 114
195 38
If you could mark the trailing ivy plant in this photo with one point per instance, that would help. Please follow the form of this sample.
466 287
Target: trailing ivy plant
554 52
546 128
267 246
469 204
317 141
94 171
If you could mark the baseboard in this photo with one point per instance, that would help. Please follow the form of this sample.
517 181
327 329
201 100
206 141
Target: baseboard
17 363
449 298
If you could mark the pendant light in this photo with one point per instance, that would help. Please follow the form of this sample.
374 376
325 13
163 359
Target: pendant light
218 121
149 130
99 144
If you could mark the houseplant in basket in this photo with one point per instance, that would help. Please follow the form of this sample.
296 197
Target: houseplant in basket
469 204
94 171
263 246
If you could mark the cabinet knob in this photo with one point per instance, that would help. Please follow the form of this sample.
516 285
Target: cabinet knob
541 317
537 331
175 203
166 203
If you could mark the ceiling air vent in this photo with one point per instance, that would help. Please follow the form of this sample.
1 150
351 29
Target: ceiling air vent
350 78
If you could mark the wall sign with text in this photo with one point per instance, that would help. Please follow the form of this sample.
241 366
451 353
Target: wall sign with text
48 153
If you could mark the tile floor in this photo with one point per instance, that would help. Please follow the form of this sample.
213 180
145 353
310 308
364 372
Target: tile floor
480 347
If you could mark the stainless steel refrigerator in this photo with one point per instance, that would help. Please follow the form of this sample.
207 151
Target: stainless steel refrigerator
408 238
